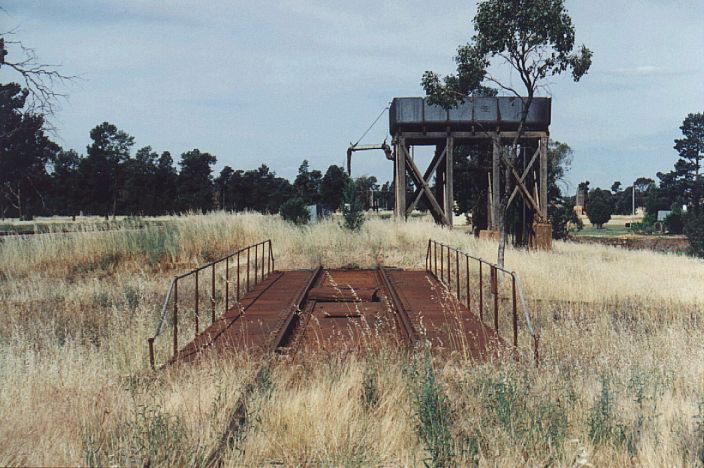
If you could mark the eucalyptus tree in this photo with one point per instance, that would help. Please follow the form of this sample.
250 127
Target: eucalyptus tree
691 151
535 39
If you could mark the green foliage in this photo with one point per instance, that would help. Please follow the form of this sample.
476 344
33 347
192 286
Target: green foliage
535 37
307 183
433 413
331 187
151 437
563 218
25 151
694 230
295 210
603 422
103 169
352 209
599 207
195 183
691 151
539 421
675 221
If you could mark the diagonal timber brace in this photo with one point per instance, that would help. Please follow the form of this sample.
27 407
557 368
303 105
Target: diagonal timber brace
432 168
526 171
435 208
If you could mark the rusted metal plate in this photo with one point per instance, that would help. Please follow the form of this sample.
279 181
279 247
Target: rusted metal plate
440 320
359 322
346 310
252 324
343 294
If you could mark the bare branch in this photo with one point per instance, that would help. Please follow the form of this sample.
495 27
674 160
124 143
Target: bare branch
40 79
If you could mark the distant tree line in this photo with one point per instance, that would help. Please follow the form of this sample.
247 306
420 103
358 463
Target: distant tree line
679 191
38 177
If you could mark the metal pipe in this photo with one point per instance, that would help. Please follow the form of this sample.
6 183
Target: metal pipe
449 271
435 254
268 261
196 271
515 313
457 273
248 250
449 278
212 295
256 246
427 257
175 317
536 352
238 277
262 261
151 352
481 293
466 258
227 284
495 292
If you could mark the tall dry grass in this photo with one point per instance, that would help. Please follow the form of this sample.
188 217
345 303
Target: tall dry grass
621 380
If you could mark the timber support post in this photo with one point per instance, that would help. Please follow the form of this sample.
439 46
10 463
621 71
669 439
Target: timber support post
478 121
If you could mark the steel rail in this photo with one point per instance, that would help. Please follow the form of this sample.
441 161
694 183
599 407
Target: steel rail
238 419
409 331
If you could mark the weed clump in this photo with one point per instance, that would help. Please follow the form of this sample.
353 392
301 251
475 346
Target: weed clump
433 413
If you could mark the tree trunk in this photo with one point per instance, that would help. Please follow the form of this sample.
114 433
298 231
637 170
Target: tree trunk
503 205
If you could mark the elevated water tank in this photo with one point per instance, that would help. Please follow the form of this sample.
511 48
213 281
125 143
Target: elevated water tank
482 113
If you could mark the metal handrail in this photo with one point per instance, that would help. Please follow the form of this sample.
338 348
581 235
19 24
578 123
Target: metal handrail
445 277
263 266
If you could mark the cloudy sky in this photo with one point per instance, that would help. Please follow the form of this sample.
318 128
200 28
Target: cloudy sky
279 81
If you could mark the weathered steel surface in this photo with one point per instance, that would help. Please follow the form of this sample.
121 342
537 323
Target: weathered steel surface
440 321
346 311
252 324
326 311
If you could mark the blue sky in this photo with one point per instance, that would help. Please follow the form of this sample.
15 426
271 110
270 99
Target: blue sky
279 81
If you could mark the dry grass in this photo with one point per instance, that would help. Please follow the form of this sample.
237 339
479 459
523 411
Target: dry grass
621 382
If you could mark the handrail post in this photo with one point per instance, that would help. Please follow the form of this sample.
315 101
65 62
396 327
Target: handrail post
466 258
175 316
196 298
256 246
427 258
536 351
515 312
212 295
227 284
481 292
449 278
262 261
442 263
238 276
435 255
449 269
268 260
151 352
457 274
248 250
495 292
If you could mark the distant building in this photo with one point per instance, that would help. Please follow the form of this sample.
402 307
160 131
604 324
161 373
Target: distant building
580 204
662 214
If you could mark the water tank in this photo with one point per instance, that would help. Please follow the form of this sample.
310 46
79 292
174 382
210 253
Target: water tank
482 113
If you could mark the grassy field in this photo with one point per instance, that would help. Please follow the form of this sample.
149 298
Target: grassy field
621 381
